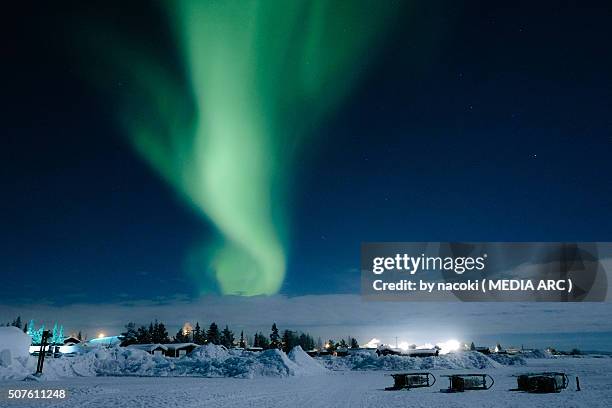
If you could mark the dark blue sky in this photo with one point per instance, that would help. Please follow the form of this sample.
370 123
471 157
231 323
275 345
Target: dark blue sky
475 122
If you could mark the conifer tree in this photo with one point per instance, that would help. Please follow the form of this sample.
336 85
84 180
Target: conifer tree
143 335
60 335
54 334
256 340
160 334
198 335
242 343
129 336
227 337
291 339
274 337
212 334
181 337
16 322
260 340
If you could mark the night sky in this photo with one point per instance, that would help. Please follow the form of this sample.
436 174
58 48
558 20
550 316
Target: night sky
469 121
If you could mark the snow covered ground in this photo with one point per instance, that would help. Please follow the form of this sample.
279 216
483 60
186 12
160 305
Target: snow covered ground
343 388
205 361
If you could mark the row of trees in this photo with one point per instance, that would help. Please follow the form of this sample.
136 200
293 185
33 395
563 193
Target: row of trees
29 329
156 332
288 340
16 323
331 345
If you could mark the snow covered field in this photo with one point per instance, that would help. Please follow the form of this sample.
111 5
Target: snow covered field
345 388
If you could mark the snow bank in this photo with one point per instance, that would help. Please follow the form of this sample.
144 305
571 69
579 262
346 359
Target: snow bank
14 353
537 353
217 361
117 361
205 361
13 344
306 364
508 359
366 360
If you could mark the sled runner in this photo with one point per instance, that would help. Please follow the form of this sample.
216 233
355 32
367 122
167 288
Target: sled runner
468 382
411 380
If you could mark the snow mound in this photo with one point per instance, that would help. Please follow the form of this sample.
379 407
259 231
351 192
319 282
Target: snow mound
212 351
116 361
14 353
508 359
366 360
206 361
307 364
217 361
537 353
13 344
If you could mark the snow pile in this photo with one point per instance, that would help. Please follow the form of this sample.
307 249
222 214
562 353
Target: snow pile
306 364
116 361
508 359
205 361
217 361
210 351
365 360
14 353
537 353
13 344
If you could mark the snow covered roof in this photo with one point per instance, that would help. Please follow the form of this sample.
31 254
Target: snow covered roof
416 352
72 340
178 346
148 347
106 341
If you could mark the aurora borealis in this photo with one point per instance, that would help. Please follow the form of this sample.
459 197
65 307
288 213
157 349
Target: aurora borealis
176 150
261 76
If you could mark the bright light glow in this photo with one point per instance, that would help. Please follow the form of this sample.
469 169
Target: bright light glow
101 335
187 328
403 345
425 346
372 343
326 345
449 346
445 347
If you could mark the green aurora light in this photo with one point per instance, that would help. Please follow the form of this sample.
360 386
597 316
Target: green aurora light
259 76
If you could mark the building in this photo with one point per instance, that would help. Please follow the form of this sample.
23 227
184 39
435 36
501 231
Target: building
412 351
179 349
154 349
105 341
71 341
